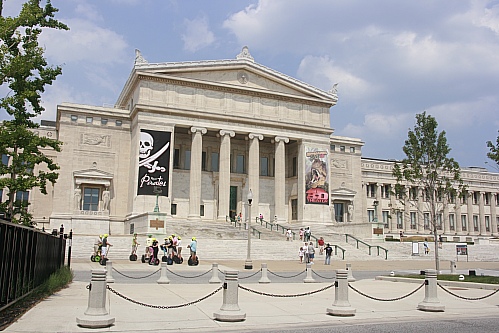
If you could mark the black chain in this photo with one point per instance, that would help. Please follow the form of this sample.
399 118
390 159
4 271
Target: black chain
293 295
386 299
286 277
163 306
188 277
135 277
468 298
247 277
324 277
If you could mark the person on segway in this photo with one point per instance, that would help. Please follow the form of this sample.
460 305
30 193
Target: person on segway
97 249
193 259
155 249
135 245
105 248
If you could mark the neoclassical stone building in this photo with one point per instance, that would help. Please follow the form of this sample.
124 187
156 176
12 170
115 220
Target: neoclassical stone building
189 140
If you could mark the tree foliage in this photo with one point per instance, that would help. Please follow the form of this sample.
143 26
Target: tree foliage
493 154
24 73
428 167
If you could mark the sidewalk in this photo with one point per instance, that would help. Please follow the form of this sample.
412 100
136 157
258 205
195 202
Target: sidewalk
58 313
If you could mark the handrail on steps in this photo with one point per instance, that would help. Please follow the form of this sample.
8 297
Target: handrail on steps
368 245
336 247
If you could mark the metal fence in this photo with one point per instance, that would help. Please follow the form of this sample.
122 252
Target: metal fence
27 258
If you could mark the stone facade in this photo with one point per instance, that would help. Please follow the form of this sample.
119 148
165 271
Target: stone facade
189 140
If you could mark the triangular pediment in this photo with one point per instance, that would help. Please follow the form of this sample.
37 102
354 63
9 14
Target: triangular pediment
93 173
343 192
237 74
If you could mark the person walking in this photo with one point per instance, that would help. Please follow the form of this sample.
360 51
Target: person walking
301 234
321 245
329 251
305 253
426 247
301 253
288 235
311 252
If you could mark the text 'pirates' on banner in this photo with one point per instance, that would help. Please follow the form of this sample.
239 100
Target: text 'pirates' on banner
154 162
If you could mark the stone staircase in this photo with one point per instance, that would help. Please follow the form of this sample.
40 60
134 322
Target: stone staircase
223 241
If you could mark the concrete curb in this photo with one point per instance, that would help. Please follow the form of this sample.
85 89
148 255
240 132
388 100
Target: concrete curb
469 285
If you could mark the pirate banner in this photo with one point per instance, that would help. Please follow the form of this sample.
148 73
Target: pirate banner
154 162
316 176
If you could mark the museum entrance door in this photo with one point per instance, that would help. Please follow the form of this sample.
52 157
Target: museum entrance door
233 202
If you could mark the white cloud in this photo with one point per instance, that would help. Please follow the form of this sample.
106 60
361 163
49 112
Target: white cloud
85 42
197 34
88 11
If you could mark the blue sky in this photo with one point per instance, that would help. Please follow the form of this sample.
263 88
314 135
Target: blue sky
392 59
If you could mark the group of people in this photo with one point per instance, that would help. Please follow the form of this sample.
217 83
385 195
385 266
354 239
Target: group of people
306 253
305 234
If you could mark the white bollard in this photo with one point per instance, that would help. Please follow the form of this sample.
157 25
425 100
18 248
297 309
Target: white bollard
341 306
230 310
109 270
214 274
350 277
96 315
264 278
431 302
163 279
309 278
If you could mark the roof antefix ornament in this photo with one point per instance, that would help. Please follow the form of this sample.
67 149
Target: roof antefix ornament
139 59
245 54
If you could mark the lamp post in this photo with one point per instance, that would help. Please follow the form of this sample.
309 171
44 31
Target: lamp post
375 204
248 264
157 190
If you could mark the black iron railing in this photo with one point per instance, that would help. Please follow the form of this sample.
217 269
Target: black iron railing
27 258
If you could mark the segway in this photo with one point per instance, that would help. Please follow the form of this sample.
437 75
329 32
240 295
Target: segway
133 257
178 260
190 262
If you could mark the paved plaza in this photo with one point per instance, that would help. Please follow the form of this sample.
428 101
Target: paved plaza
58 313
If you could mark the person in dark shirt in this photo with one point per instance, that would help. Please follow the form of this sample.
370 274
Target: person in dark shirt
329 252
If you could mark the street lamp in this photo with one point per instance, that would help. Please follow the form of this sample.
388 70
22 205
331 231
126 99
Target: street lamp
157 190
248 264
375 204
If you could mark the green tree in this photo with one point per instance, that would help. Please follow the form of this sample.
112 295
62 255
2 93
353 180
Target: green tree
494 151
24 73
427 167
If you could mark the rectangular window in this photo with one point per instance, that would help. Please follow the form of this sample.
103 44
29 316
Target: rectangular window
426 217
103 121
413 193
342 148
201 210
174 209
486 198
352 150
475 198
497 199
264 166
386 216
22 196
91 197
475 222
400 220
463 198
90 120
452 222
413 220
214 162
332 147
370 215
240 164
464 224
295 167
497 223
294 209
203 161
5 159
487 223
118 123
74 117
452 197
385 191
439 221
176 158
187 162
371 190
338 212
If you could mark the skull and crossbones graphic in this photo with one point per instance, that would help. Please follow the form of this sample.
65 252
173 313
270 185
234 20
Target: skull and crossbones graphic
146 159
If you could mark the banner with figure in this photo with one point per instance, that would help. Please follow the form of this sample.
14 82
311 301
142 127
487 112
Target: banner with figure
154 162
316 176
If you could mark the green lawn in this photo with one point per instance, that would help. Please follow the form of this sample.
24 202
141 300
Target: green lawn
467 278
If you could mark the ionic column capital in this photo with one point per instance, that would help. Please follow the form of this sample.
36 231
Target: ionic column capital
255 136
281 138
201 130
227 132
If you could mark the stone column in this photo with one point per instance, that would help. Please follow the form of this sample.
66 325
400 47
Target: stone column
471 227
481 217
392 223
445 218
377 211
407 211
493 215
224 174
457 217
254 172
195 173
280 179
420 215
